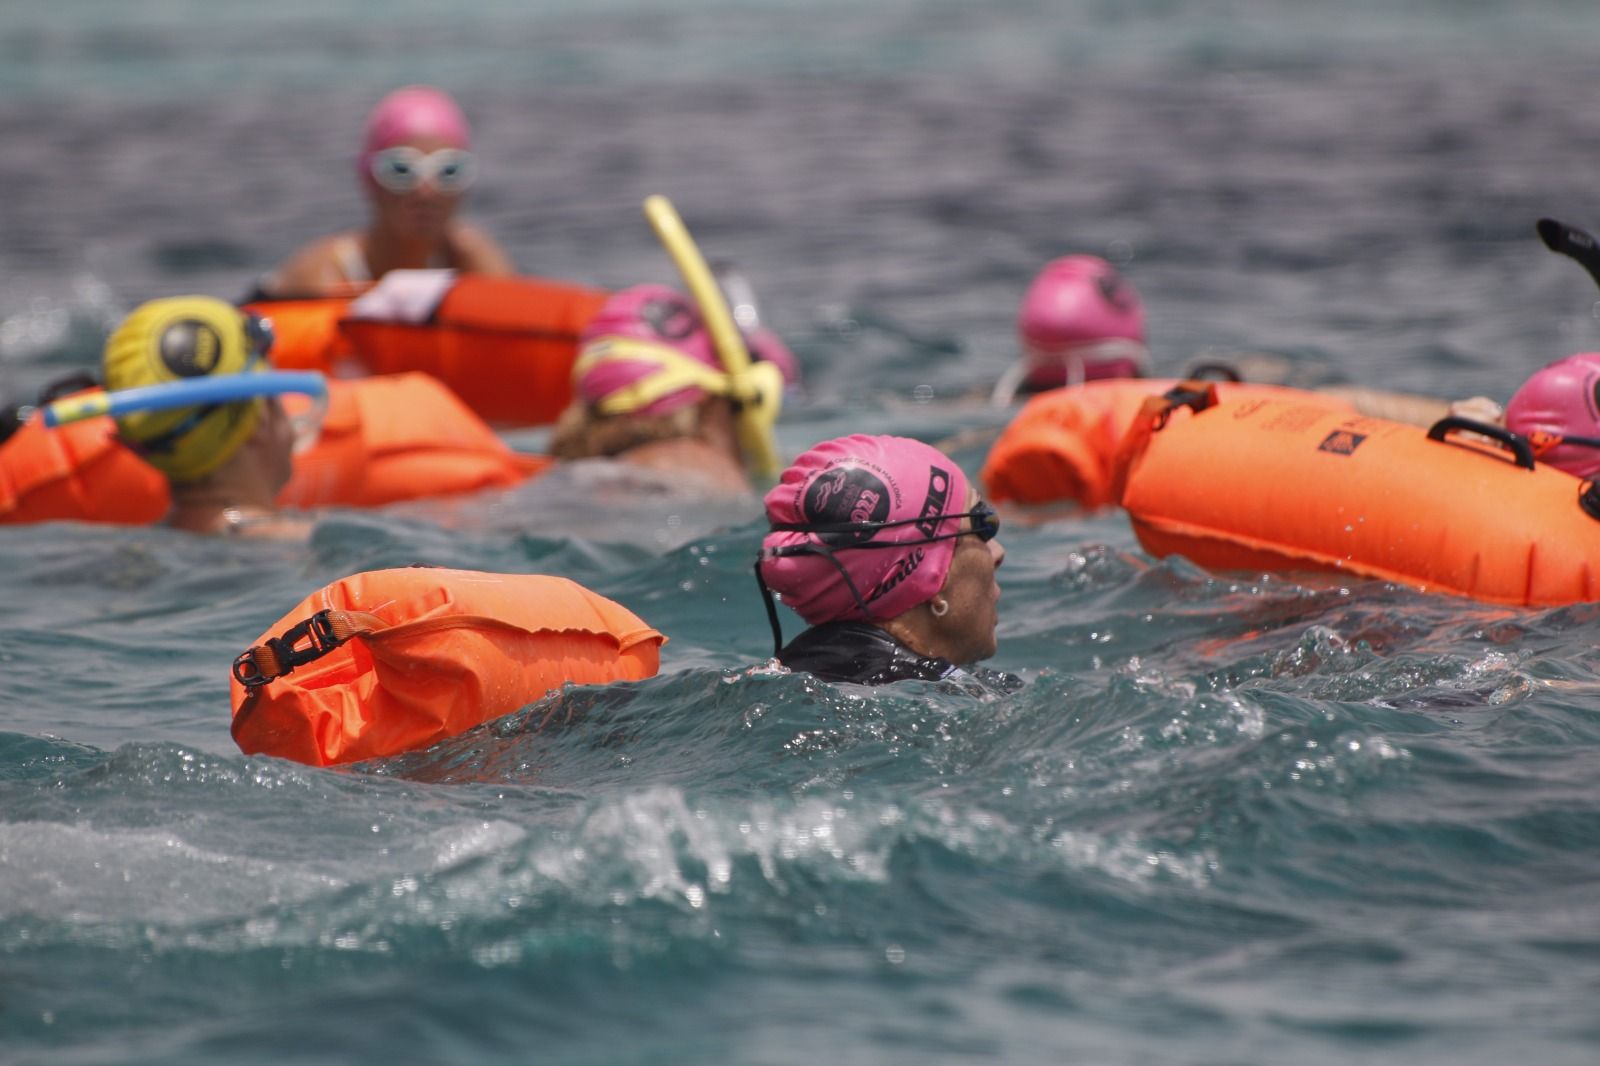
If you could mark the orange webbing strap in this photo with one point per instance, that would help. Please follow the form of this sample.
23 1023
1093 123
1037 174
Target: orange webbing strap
300 644
1153 415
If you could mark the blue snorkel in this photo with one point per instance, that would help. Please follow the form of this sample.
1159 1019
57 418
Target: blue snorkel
192 392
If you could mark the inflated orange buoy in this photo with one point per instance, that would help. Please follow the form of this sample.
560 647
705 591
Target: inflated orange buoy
1277 484
1060 447
79 472
384 439
395 660
399 437
504 345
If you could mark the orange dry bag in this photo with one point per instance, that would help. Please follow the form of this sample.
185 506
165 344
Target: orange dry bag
1287 484
399 437
395 660
1062 445
505 345
77 472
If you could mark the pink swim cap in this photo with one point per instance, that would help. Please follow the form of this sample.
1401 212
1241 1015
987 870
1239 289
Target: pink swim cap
412 113
1079 307
864 479
1560 399
653 313
662 315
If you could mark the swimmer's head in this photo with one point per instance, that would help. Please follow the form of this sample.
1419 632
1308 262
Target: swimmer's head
417 114
1562 399
880 569
1080 320
174 339
648 352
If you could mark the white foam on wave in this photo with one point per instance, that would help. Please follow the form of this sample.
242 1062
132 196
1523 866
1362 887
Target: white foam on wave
80 875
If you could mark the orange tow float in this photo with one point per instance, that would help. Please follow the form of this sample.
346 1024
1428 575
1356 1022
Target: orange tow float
395 660
1061 447
1286 483
505 345
399 437
80 472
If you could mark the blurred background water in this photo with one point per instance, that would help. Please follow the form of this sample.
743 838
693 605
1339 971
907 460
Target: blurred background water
1230 819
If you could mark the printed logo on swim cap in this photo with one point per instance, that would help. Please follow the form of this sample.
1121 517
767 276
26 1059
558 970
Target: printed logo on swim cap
671 319
190 348
933 504
846 494
904 568
1117 293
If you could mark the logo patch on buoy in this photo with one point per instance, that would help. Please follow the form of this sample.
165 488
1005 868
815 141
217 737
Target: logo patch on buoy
1341 442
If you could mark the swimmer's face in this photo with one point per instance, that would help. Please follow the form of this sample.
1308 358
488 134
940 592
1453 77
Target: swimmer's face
424 212
966 632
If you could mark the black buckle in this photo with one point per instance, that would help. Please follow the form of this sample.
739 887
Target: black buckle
300 644
1194 395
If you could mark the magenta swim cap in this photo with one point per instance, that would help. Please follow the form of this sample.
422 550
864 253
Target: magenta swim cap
413 113
863 479
661 315
1079 309
653 313
1560 399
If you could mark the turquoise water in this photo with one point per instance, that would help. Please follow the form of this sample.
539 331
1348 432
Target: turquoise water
1229 819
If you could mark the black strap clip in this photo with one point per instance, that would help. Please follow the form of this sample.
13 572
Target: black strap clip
1195 395
300 644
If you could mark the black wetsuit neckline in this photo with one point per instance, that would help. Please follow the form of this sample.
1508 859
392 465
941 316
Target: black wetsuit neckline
865 654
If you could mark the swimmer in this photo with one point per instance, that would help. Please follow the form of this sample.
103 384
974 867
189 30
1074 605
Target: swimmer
1079 321
888 554
227 462
1558 409
649 390
415 166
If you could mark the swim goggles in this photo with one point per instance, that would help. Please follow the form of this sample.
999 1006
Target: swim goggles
402 169
985 526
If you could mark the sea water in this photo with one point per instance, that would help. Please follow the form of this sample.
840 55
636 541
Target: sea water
1230 818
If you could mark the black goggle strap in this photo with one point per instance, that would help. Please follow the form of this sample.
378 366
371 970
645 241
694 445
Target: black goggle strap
985 525
805 549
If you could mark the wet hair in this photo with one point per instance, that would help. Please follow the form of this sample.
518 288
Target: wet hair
583 433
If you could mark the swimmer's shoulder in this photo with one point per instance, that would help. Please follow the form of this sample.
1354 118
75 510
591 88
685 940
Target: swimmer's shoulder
314 269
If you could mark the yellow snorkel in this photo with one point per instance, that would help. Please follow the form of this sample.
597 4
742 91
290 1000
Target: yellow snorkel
757 387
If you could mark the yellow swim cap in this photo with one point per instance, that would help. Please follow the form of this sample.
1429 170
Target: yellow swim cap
177 338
